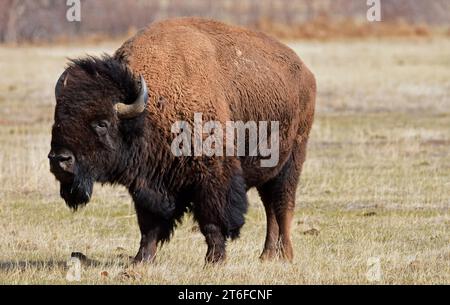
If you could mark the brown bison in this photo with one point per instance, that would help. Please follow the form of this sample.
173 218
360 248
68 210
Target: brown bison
113 122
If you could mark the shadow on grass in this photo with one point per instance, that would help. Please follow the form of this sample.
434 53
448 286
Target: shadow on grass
8 266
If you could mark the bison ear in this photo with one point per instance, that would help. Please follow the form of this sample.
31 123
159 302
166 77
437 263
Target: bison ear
61 83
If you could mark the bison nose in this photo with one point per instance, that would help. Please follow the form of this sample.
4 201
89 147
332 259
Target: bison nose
64 160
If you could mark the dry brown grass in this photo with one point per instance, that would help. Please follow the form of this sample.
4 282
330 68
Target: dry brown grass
376 182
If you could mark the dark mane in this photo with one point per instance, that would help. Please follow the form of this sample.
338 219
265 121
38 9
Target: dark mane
103 72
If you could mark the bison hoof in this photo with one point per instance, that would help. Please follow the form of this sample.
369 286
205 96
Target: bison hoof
215 259
269 255
139 261
143 259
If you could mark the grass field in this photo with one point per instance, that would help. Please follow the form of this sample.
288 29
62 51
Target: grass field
376 184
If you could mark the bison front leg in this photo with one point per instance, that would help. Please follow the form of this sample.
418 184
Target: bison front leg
220 208
154 215
216 242
150 228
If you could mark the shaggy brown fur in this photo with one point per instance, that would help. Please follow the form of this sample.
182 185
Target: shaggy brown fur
190 65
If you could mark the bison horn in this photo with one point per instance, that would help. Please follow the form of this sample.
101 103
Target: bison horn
61 83
128 111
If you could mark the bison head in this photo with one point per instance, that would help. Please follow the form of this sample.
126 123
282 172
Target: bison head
99 106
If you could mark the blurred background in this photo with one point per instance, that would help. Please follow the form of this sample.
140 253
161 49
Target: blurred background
376 182
45 20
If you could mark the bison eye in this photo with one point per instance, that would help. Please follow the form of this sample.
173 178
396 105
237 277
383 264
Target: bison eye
100 127
102 124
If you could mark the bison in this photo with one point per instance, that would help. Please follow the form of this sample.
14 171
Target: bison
113 119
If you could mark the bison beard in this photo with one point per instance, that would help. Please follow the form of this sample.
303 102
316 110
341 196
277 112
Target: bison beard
78 192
